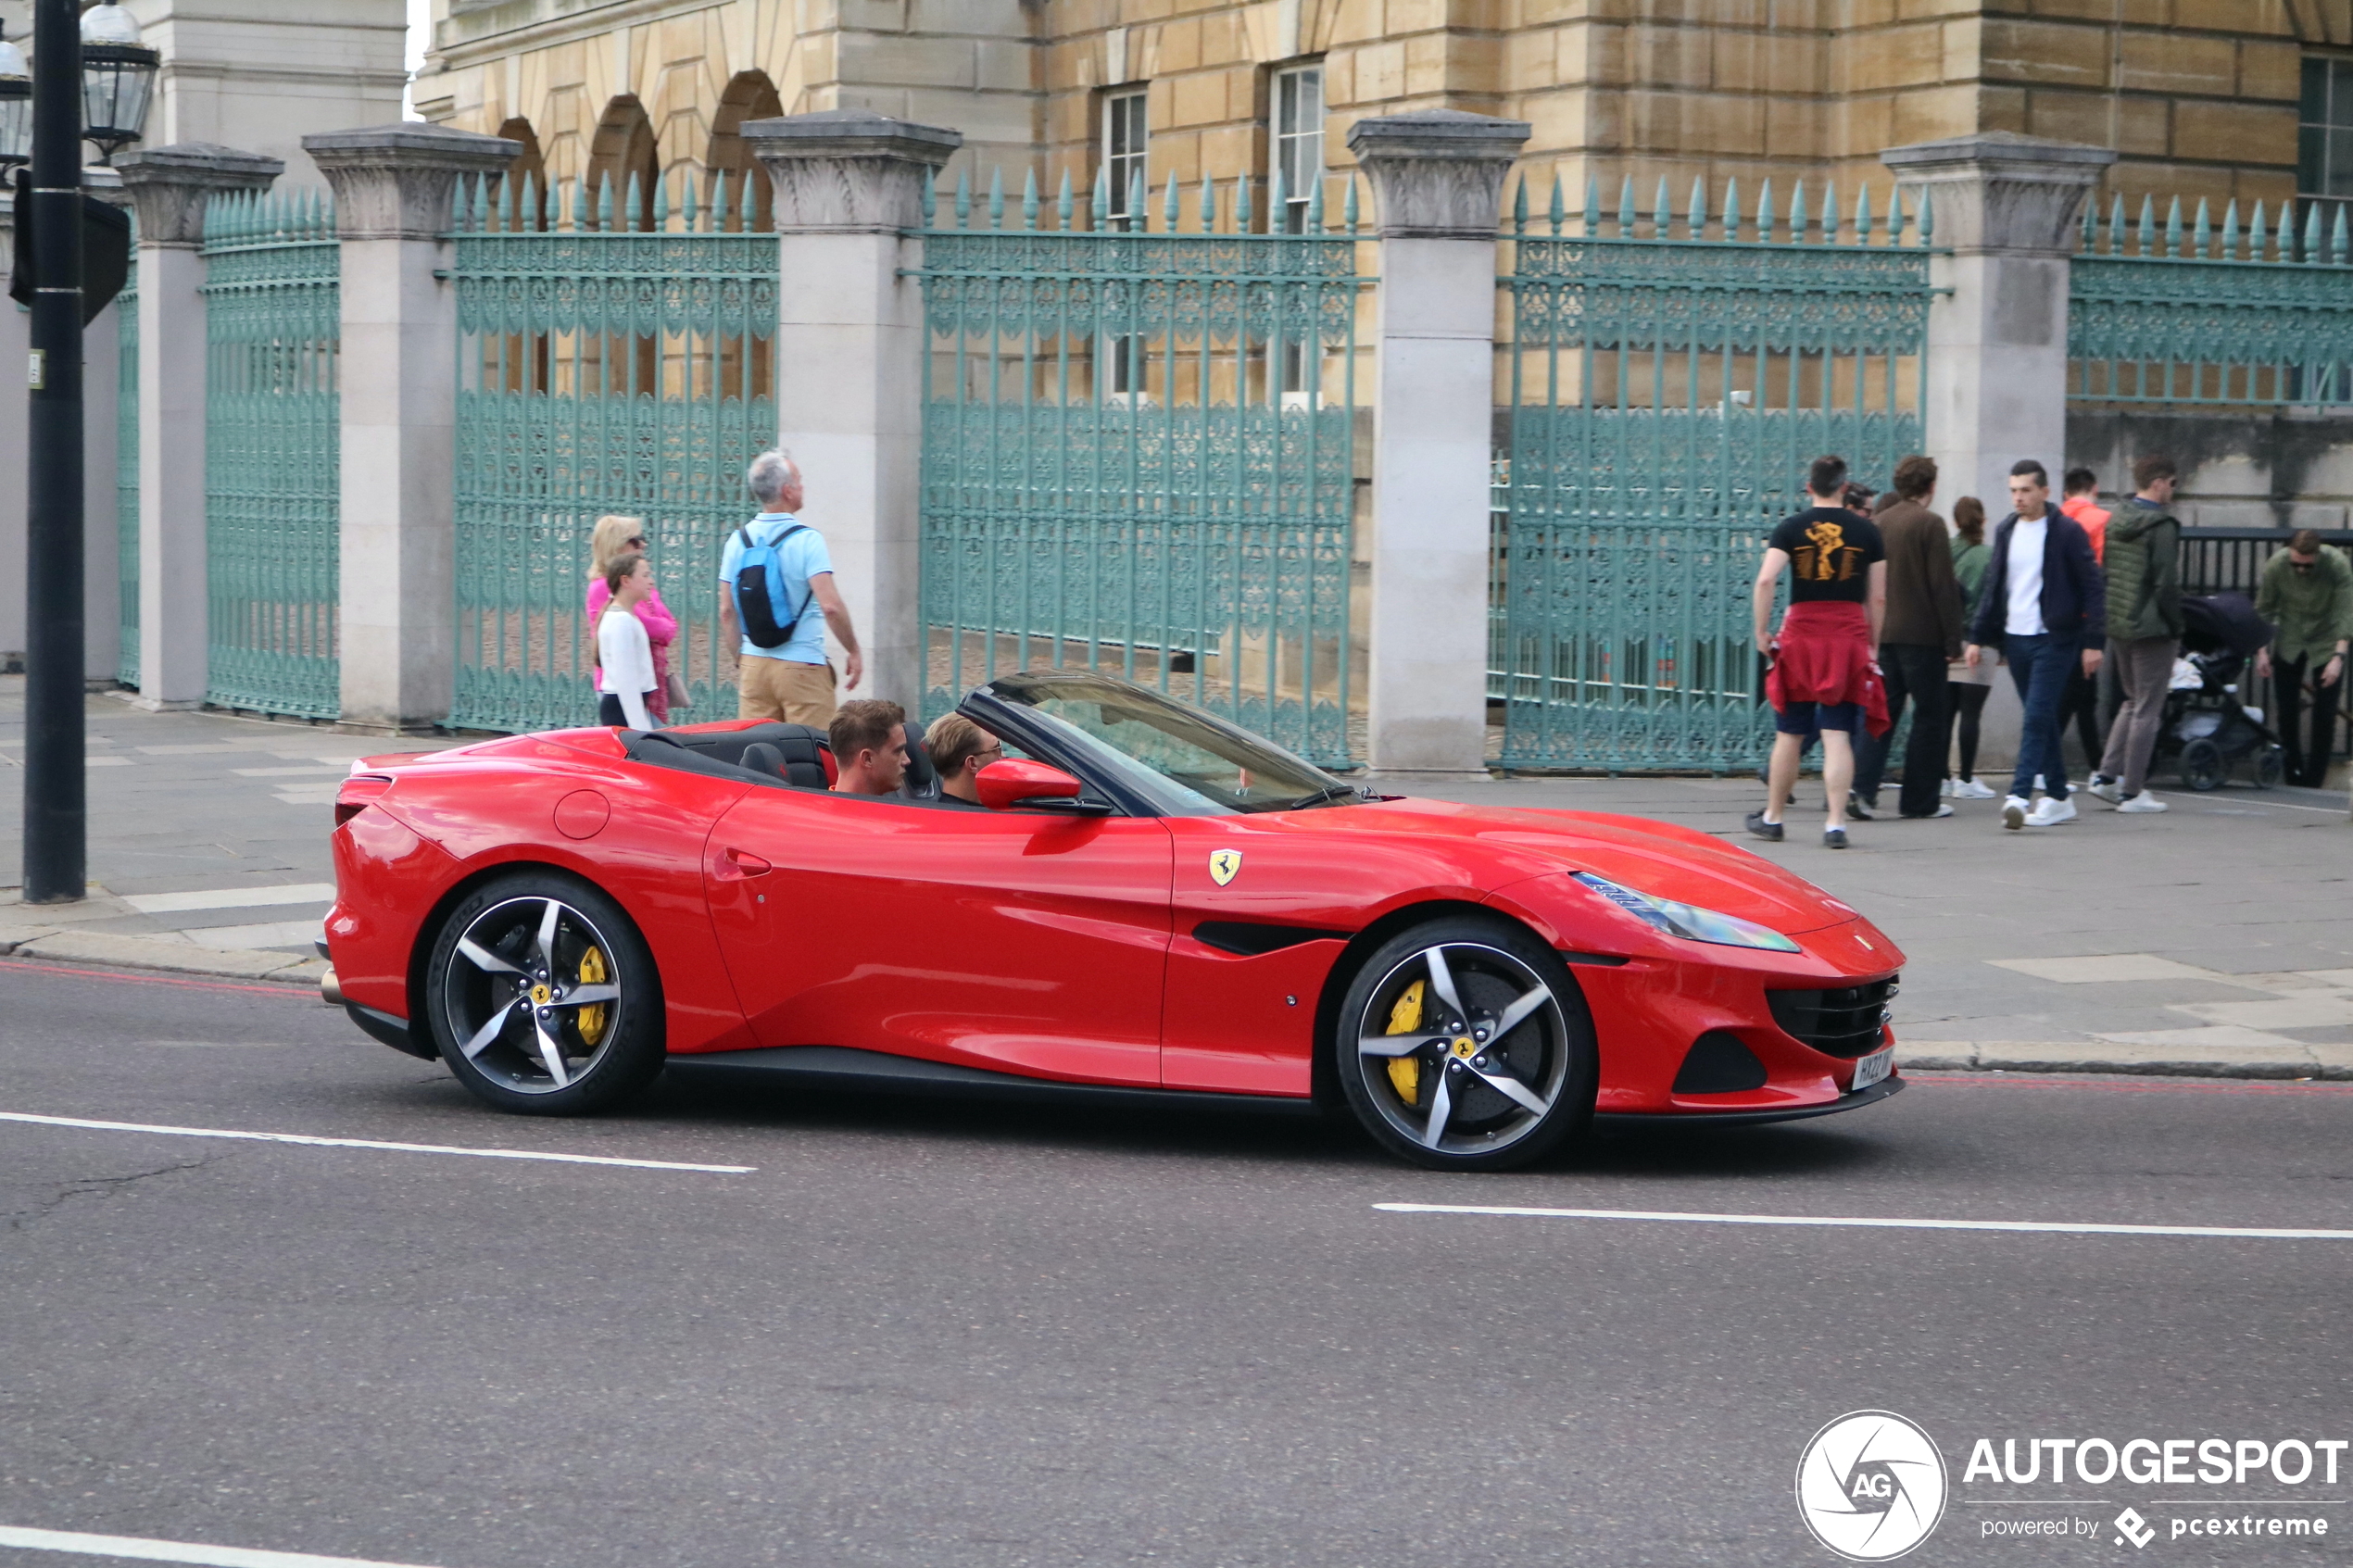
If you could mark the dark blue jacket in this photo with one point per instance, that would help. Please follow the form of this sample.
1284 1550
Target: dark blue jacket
2074 595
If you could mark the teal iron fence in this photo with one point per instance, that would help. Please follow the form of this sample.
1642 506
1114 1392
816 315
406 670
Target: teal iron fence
126 475
606 363
1138 449
2200 315
1661 386
274 328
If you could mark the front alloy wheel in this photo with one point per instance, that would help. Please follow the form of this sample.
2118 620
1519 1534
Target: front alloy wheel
1464 1045
543 997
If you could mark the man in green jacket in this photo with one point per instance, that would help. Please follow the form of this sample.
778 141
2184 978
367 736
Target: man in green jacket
2307 594
2144 631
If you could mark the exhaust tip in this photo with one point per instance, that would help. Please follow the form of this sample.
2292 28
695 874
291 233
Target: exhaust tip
329 992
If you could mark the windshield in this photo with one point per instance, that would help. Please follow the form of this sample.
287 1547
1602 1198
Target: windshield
1186 763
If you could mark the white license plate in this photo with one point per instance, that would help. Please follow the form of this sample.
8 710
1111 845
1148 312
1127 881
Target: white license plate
1869 1070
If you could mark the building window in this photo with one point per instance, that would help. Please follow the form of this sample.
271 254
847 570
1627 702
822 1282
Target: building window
2325 146
1124 148
1298 144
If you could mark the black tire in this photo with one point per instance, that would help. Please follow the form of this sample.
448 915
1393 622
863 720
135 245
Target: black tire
1546 1063
2203 765
580 1035
2271 768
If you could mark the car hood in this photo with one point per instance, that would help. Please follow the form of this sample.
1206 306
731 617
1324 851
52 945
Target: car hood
1660 859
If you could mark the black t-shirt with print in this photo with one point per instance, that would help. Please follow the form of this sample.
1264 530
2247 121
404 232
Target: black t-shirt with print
1831 551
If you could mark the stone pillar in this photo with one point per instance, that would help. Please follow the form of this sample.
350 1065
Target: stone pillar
171 186
849 357
1438 181
393 187
2005 207
101 436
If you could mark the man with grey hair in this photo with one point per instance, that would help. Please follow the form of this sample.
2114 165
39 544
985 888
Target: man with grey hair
791 680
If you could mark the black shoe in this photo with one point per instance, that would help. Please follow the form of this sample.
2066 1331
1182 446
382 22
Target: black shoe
1769 832
1858 807
1834 838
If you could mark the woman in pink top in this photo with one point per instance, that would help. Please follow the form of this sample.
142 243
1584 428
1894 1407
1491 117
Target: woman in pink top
614 537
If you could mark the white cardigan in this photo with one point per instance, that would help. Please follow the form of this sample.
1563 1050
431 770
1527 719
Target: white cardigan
628 658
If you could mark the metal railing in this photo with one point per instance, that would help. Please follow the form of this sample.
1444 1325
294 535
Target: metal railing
2219 561
2189 315
272 453
608 362
1662 385
1138 449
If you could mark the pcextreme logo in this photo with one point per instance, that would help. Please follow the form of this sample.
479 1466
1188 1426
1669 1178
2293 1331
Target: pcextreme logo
1871 1485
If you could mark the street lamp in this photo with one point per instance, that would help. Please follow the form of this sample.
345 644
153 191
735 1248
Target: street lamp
16 107
118 76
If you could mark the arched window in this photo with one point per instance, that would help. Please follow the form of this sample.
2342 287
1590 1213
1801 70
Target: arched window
527 171
749 96
622 156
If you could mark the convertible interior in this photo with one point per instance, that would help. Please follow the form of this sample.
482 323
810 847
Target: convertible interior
777 755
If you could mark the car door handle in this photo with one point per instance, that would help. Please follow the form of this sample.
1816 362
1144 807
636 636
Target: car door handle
743 862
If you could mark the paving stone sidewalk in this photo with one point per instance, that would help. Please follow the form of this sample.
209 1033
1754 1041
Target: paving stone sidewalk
2214 939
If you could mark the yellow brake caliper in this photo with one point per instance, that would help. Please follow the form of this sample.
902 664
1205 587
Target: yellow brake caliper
591 1021
1405 1018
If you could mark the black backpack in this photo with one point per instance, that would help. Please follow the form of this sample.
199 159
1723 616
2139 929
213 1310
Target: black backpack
760 591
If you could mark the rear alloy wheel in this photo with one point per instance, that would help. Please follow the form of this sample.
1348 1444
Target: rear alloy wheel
542 997
1464 1045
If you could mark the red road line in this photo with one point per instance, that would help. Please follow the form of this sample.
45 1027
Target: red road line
2151 1084
299 992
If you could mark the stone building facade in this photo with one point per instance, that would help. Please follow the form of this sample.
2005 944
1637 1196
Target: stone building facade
2200 97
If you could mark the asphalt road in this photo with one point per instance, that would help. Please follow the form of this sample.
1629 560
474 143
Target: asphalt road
920 1334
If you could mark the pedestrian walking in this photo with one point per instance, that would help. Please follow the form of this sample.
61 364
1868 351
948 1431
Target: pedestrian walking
624 653
1922 633
1968 684
1822 676
2144 631
613 537
2307 593
2042 597
2086 707
777 584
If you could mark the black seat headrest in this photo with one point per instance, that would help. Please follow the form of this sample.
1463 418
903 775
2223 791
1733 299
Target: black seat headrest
922 781
761 758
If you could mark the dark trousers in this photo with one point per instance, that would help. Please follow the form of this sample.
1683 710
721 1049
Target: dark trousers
2040 666
2081 707
2307 740
1969 710
1913 674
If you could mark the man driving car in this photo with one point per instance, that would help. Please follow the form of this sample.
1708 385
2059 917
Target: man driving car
959 750
869 740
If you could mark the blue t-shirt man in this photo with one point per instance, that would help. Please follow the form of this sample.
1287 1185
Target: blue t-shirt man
799 559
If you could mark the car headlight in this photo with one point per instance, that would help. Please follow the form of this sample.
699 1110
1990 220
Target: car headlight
1689 921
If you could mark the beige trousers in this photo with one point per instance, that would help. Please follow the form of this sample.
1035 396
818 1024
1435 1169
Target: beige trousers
786 689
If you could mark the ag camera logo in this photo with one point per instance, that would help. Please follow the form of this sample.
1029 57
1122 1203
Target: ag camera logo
1871 1485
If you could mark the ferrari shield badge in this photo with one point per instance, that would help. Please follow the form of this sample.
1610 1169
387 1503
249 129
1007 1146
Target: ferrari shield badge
1225 865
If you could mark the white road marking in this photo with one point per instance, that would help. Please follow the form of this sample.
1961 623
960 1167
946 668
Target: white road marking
144 1551
369 1142
2037 1226
253 896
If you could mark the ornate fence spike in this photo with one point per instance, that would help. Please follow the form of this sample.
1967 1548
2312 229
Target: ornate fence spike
964 198
686 213
2091 238
2231 230
1242 203
1625 209
1698 211
1662 213
1063 203
997 197
2201 232
1797 215
1099 206
1137 214
1029 198
1895 215
662 203
1863 215
604 206
1169 207
1207 217
2256 242
507 203
1519 207
1826 224
1348 215
1928 216
2337 238
1592 216
1557 212
2173 229
1732 208
580 206
2311 231
2147 238
1314 202
1764 212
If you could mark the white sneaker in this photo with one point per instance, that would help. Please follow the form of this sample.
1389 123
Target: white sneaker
2013 812
1970 789
2144 801
2051 811
2106 788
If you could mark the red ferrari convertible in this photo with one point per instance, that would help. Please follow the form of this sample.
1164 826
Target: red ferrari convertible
1148 903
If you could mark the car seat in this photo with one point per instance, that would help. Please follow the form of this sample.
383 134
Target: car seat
922 781
796 759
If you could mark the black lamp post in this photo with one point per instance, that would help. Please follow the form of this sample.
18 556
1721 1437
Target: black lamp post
114 94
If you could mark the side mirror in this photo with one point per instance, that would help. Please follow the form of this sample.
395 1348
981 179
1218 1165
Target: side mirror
1012 782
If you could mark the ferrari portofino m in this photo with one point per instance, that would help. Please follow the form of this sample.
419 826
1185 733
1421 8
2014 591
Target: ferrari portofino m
1147 903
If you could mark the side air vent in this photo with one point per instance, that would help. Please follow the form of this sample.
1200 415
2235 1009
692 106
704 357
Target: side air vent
1847 1021
1719 1064
1250 938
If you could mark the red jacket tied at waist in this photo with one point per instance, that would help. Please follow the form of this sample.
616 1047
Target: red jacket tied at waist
1826 657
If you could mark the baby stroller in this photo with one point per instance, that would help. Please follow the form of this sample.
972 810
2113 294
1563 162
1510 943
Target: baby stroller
2206 726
